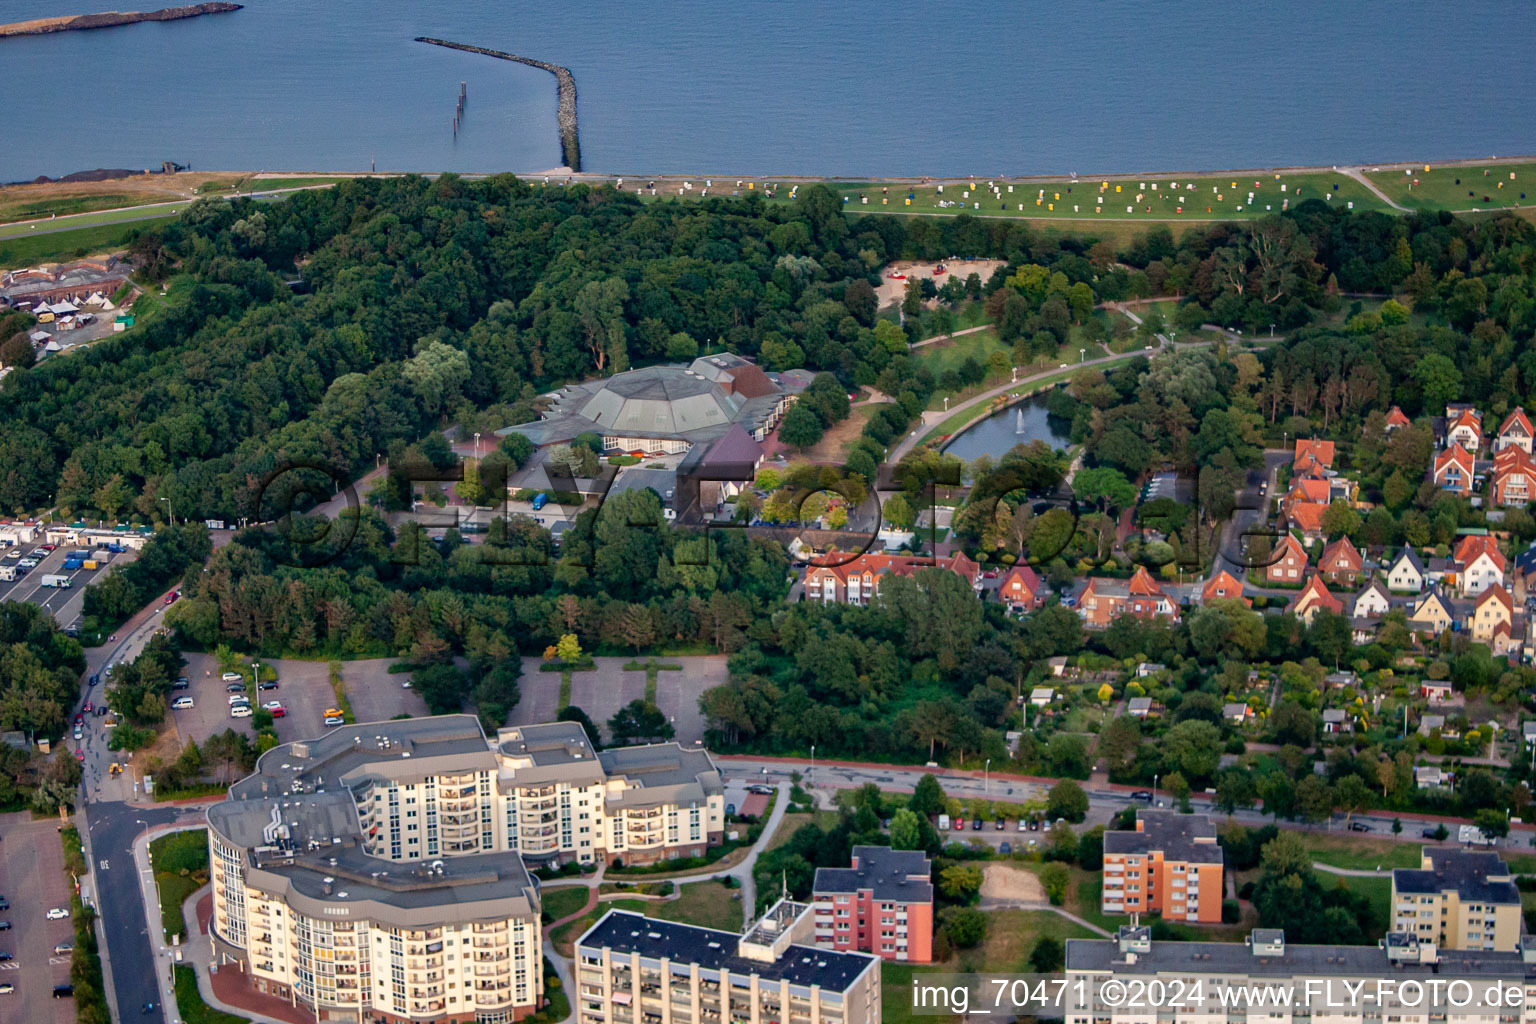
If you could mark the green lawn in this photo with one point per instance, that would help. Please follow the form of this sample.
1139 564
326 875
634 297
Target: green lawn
1379 890
563 901
29 249
190 1002
1348 851
948 355
1447 188
706 904
564 938
1011 935
30 208
181 868
1089 200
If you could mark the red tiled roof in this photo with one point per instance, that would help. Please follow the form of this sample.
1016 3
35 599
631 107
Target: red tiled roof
1395 418
1341 554
1322 451
1318 595
1307 516
1516 419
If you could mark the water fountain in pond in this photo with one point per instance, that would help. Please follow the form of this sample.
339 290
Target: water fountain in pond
1018 426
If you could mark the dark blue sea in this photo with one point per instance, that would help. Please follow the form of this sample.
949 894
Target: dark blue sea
832 87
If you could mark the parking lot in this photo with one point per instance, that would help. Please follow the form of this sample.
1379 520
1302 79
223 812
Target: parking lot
304 690
32 878
603 692
64 603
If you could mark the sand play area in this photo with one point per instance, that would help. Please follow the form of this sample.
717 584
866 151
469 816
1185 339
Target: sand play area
1009 884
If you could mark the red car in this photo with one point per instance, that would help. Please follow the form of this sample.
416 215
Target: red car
79 718
88 708
50 547
79 755
279 712
172 596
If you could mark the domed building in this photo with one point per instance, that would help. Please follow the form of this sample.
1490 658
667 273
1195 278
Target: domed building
661 410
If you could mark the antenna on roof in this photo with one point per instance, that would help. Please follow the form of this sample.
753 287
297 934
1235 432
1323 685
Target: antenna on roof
784 884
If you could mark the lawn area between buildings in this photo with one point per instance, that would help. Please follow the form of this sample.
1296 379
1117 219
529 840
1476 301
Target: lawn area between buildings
564 938
706 904
563 901
949 355
1011 936
1348 851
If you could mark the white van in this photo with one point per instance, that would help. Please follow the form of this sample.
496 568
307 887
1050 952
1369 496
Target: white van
334 720
232 677
240 711
182 703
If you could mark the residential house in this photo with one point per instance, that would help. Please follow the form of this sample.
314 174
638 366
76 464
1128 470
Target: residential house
1146 669
1431 776
1431 614
1371 602
1313 453
1236 712
1288 563
1104 599
1021 589
1436 691
1430 724
1493 609
1458 899
1341 562
857 580
1223 585
1514 432
1453 470
1514 477
1336 721
1396 419
1479 563
1406 573
1507 639
1339 680
1306 518
1312 489
1170 864
1141 707
1041 696
882 903
1314 597
1464 427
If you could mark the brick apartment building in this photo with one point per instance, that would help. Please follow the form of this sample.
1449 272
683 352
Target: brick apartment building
1170 865
881 904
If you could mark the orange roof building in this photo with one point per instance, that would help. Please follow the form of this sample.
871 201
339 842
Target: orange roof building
858 580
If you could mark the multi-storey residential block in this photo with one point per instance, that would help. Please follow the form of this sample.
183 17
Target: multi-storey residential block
1318 977
1458 899
632 969
1104 599
1170 865
882 903
857 580
393 846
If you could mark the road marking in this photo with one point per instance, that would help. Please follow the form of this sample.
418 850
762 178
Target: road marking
103 863
10 965
58 959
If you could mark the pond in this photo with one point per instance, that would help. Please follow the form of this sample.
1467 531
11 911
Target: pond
1017 424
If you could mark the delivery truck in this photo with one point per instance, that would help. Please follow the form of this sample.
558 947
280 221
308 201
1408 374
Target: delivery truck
62 582
7 573
74 563
90 563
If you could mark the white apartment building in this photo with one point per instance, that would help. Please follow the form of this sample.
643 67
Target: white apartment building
632 970
366 874
1317 976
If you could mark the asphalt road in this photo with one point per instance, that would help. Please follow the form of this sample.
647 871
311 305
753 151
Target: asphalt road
1249 517
130 956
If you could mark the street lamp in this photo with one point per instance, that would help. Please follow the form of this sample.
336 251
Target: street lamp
1082 354
477 446
813 766
986 783
169 511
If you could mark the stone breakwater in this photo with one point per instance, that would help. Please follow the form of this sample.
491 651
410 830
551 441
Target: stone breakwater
111 19
565 83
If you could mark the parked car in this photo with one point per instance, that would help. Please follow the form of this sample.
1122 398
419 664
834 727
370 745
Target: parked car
240 711
239 698
268 684
5 904
6 988
334 720
1359 826
182 703
272 705
231 677
181 683
1005 849
1023 825
87 707
102 711
1144 795
976 825
172 596
1034 824
1001 824
63 947
5 926
235 688
58 913
63 991
959 823
279 712
333 713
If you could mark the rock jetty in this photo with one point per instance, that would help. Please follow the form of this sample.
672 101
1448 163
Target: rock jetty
565 105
